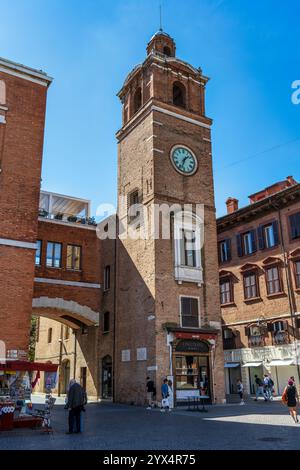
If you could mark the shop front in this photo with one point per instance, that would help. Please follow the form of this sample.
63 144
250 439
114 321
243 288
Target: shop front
17 380
232 375
279 362
192 356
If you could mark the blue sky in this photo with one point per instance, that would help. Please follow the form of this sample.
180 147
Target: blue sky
249 49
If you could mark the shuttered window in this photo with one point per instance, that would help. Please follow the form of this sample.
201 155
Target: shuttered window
273 280
189 312
225 251
297 273
226 291
246 243
295 225
250 285
268 235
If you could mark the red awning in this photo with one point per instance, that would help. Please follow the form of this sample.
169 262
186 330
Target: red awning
28 366
199 336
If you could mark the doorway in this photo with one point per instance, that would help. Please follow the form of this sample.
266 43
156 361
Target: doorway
191 365
107 377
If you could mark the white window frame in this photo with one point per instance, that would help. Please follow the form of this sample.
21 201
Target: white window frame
183 273
199 314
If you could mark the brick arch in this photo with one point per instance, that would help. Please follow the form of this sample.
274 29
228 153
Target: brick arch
68 312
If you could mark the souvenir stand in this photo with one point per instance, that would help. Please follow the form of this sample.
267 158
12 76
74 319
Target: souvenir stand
17 380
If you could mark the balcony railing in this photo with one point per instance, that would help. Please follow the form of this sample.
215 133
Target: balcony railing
256 341
67 217
229 343
280 337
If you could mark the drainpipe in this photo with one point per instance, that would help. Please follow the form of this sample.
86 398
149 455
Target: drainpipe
115 311
60 358
288 276
75 355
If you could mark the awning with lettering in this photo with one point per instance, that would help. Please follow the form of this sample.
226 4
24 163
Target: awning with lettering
252 364
231 365
28 366
281 362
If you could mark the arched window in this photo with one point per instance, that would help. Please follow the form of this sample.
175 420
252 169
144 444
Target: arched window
137 102
179 95
167 51
2 92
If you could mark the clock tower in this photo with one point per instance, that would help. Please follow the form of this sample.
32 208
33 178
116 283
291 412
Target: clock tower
167 322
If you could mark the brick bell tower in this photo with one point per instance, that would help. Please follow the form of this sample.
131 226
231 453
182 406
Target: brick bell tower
167 294
23 93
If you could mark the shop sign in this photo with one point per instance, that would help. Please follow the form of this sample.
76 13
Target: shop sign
199 336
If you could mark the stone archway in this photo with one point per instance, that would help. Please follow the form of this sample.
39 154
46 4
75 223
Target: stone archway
64 311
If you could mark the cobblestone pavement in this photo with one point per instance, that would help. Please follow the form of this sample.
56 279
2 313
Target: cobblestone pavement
118 427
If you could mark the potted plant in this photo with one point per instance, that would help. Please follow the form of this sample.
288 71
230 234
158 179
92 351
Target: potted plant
43 213
83 220
72 218
91 221
59 216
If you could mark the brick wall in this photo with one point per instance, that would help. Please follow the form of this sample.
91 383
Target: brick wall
20 159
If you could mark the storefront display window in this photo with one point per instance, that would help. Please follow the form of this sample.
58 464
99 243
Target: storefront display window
192 373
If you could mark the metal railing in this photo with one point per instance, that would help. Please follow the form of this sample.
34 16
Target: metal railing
280 337
67 217
256 341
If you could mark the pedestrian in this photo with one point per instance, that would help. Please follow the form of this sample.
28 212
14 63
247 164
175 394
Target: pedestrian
290 398
259 388
240 389
165 406
171 394
151 392
267 388
76 400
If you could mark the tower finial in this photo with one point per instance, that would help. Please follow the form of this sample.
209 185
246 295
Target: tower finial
160 18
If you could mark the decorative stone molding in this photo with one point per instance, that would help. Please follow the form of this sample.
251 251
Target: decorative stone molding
70 306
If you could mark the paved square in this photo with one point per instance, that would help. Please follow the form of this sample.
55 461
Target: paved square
107 426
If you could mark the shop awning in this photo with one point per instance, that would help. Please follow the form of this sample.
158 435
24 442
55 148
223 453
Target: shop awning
28 366
281 362
252 364
231 365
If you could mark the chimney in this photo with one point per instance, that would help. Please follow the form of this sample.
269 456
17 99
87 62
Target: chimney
232 205
291 181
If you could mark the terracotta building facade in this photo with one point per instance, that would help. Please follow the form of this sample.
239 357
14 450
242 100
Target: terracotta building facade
23 93
259 257
113 311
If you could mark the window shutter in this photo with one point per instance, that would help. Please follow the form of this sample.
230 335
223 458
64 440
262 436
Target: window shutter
194 307
253 240
270 327
185 306
298 322
239 245
295 225
247 331
228 244
285 325
276 232
261 238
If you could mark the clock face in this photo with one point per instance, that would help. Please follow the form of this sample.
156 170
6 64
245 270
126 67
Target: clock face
183 160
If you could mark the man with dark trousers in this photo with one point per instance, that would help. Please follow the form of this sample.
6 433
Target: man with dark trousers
75 403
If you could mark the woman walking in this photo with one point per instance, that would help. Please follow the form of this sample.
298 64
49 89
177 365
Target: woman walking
291 398
240 389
